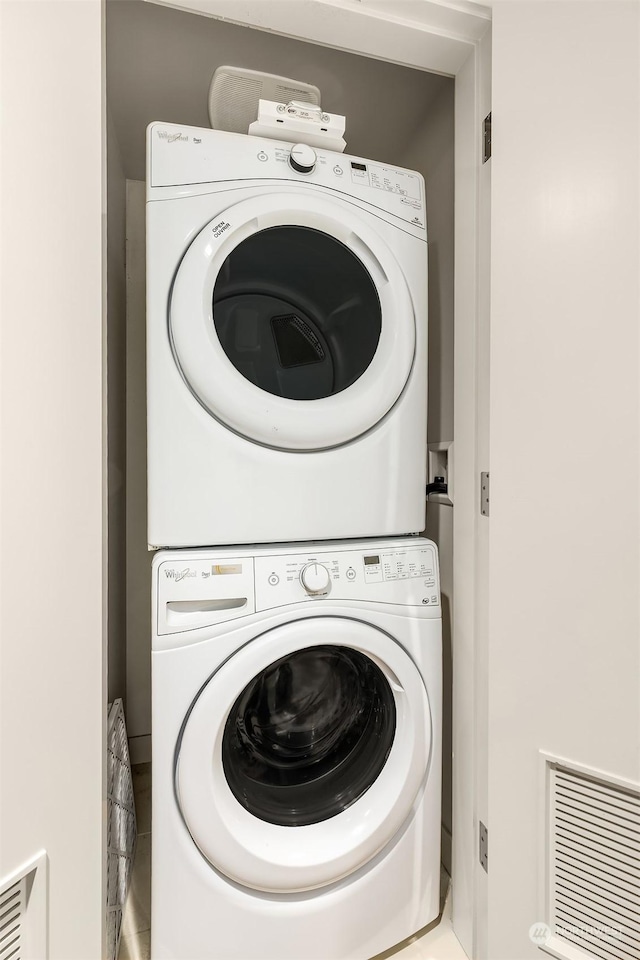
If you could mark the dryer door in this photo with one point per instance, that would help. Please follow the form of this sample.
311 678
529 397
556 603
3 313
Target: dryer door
291 321
303 754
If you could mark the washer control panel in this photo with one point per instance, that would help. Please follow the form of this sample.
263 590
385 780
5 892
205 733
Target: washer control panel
195 589
406 575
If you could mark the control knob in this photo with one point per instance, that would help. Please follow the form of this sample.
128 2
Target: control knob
302 158
315 578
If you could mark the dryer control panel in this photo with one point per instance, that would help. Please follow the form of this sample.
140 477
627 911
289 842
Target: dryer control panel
184 156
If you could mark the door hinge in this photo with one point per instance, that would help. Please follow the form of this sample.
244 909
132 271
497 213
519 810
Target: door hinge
484 847
486 138
484 494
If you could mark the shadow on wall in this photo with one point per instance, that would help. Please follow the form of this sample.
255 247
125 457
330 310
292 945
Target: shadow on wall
440 529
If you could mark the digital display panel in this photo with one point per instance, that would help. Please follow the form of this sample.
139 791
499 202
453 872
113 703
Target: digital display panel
371 560
358 166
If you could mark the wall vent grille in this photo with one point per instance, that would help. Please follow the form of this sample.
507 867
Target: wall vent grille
23 911
595 866
13 904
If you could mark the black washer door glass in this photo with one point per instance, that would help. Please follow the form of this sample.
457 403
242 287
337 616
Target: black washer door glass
309 735
296 313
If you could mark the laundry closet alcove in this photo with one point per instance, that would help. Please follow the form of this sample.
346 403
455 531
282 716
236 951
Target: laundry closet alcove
421 112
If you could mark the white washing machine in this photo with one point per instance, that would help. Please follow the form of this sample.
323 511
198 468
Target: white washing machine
296 750
286 342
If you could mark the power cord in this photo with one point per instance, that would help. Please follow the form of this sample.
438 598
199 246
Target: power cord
438 486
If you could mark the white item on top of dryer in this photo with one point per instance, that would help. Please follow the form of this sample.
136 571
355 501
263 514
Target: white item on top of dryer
286 342
296 749
234 94
300 122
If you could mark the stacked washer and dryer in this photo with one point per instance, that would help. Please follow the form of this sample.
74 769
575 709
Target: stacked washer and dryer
296 649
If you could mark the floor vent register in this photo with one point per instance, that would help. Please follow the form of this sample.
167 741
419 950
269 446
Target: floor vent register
23 912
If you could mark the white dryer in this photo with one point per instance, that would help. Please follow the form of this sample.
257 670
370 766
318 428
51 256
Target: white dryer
296 750
286 342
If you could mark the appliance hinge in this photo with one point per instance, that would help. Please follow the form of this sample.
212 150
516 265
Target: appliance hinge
484 847
484 494
486 138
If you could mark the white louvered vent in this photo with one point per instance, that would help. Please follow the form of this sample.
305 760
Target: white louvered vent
595 867
23 912
12 912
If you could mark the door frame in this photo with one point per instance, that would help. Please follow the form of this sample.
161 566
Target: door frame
453 38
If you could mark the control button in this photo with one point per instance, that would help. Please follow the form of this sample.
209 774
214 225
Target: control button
338 170
281 108
434 599
429 583
351 574
325 117
274 579
315 578
262 156
302 158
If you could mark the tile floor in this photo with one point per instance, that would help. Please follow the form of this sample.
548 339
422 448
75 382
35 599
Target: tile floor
435 942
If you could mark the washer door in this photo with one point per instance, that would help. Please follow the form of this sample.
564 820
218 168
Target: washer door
303 754
292 323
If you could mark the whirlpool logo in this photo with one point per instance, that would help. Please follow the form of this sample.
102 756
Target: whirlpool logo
172 137
178 575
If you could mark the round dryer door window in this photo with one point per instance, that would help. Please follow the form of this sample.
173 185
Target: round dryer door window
292 323
303 755
297 313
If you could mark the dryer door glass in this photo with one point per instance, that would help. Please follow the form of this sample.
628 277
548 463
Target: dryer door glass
309 735
292 322
296 313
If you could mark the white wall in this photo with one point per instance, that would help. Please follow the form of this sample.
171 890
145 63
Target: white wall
564 651
52 699
427 34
